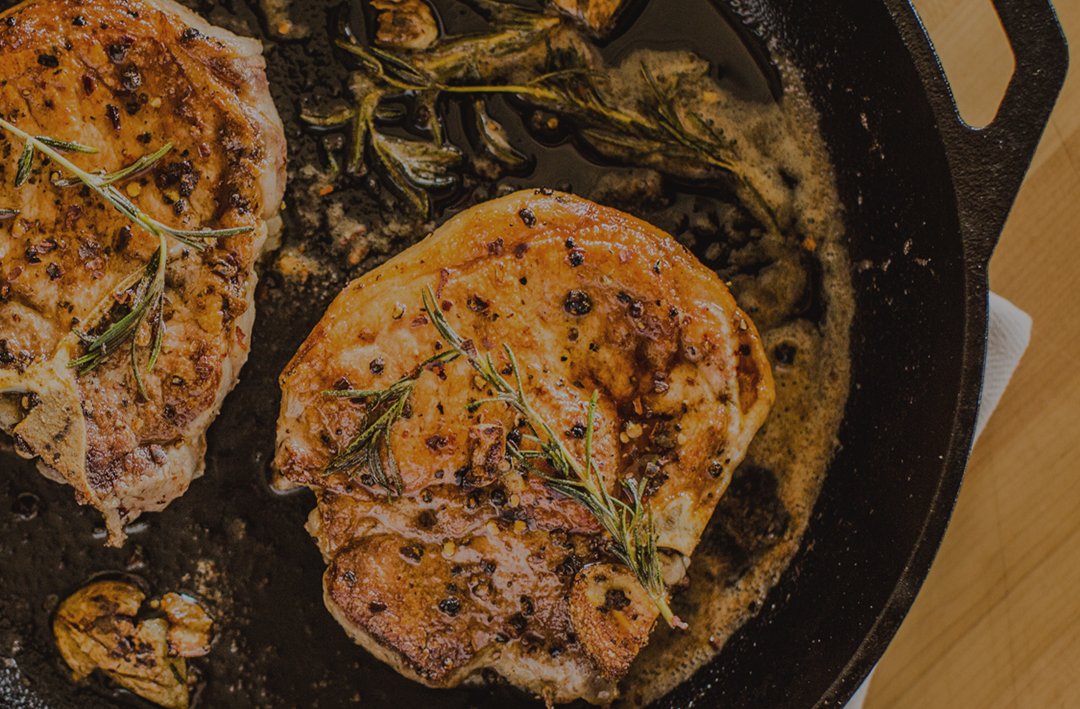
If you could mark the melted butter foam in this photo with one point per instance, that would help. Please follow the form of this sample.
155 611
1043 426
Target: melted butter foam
800 436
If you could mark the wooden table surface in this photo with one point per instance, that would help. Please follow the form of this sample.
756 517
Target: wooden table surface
998 622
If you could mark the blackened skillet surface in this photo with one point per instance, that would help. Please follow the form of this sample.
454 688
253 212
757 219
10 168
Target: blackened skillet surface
279 647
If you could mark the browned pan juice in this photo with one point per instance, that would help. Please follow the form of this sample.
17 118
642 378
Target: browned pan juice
243 549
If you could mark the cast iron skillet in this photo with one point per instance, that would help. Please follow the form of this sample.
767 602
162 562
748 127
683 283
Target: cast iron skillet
919 338
926 197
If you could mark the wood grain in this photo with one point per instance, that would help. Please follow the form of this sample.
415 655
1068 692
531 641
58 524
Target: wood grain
998 622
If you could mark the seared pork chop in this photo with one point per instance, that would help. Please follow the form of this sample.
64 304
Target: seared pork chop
446 555
127 77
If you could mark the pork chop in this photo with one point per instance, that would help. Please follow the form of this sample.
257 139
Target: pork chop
447 553
127 77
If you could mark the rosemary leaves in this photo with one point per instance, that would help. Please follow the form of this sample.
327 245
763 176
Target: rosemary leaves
624 514
370 447
147 302
627 519
144 288
538 58
413 167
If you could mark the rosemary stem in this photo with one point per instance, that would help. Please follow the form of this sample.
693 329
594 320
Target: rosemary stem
661 603
498 89
630 526
158 289
149 296
86 178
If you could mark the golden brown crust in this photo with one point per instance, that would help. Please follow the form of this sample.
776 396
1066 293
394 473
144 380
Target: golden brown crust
127 76
589 299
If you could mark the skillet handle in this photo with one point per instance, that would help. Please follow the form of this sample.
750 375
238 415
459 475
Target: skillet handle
988 164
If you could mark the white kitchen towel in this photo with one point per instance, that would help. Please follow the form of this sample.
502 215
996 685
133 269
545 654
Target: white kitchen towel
1007 339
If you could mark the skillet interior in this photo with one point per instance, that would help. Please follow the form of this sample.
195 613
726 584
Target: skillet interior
908 362
916 345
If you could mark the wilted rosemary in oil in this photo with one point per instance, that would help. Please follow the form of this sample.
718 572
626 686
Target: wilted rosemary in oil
412 166
628 521
660 130
371 444
147 285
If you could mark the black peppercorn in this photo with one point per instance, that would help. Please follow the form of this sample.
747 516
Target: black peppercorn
118 51
450 605
615 599
518 623
130 80
578 302
477 304
414 552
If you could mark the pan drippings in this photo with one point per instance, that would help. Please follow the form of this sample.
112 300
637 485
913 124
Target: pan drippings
801 298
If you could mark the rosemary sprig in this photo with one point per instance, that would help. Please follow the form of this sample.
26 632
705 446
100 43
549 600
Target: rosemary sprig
413 167
628 521
371 444
148 296
659 129
147 301
141 165
103 186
